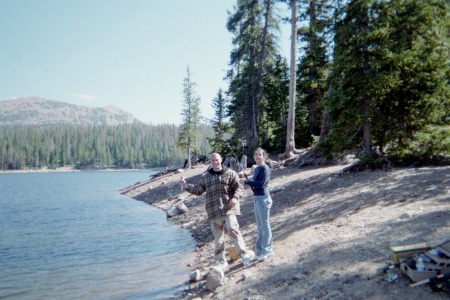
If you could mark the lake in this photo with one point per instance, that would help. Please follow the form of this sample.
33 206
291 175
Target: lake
74 236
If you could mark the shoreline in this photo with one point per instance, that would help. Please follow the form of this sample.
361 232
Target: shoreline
331 231
71 169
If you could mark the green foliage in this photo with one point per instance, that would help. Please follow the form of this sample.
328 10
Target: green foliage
312 70
351 76
100 146
222 128
371 161
384 81
391 68
427 144
253 60
417 92
276 106
189 129
303 137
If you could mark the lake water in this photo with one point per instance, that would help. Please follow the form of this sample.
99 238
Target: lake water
74 236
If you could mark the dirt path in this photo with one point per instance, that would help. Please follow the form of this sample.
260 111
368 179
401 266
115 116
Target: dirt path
331 231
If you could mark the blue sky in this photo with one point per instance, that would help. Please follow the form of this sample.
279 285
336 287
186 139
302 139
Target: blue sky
132 54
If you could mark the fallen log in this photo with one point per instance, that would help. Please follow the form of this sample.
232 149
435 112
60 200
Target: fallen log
166 171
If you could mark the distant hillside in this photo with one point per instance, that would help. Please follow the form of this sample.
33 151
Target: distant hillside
38 111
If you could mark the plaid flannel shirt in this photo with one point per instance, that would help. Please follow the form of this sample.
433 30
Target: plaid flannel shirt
219 189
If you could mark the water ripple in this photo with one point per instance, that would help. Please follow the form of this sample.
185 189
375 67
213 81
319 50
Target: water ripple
74 235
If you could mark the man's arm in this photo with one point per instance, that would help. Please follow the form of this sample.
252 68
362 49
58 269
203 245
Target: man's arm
195 189
237 188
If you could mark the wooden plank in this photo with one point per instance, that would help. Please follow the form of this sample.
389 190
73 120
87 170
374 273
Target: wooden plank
399 252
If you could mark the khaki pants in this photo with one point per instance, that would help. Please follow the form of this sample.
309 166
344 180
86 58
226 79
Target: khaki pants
230 226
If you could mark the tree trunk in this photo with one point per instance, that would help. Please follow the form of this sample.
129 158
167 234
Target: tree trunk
290 141
367 128
326 122
188 166
259 71
326 125
366 105
314 93
254 105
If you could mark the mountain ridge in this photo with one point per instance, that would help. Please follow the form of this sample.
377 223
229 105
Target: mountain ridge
41 111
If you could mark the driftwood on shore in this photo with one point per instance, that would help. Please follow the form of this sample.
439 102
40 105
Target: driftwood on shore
167 171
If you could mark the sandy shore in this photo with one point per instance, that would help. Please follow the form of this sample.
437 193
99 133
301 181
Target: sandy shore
331 231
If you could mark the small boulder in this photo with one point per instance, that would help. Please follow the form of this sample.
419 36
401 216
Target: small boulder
182 207
176 210
172 212
214 278
195 275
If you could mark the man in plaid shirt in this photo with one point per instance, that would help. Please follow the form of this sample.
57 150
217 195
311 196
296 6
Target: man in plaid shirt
223 191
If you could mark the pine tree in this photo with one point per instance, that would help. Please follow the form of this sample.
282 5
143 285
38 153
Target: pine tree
290 132
276 89
219 124
353 76
252 58
189 131
390 73
313 66
417 60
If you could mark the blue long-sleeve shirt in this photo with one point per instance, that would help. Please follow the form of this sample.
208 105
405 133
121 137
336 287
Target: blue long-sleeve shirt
260 182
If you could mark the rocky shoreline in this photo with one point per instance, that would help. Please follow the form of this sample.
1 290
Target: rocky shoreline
331 231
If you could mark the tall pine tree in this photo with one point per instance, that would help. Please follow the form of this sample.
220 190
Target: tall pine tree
390 73
189 129
252 59
220 126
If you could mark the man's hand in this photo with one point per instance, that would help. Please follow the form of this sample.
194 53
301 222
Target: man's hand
183 183
232 202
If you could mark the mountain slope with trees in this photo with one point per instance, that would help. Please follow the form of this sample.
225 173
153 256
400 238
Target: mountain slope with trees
37 133
127 146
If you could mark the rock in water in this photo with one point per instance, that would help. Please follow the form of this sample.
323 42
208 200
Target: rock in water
195 275
182 208
171 212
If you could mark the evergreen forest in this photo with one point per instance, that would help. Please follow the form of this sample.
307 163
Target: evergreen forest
367 76
132 146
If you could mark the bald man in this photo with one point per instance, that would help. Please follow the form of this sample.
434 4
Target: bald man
223 191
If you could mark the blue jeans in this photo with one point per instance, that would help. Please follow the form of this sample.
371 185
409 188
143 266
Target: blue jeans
262 214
